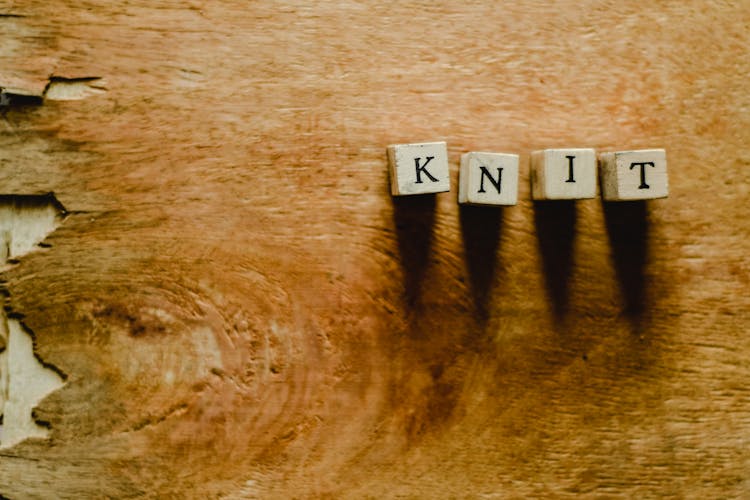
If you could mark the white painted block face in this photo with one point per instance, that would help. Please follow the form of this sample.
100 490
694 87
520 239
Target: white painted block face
488 179
634 175
563 174
419 168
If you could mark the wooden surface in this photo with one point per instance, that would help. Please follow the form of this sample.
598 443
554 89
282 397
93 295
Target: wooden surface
242 310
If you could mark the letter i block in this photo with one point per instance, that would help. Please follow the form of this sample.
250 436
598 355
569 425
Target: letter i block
419 168
563 174
634 175
488 179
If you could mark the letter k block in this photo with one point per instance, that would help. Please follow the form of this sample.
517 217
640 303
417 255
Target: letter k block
634 175
419 168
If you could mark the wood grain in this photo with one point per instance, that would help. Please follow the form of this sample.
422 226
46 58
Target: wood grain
242 310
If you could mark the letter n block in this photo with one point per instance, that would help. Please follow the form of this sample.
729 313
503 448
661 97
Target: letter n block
419 168
488 179
563 174
634 175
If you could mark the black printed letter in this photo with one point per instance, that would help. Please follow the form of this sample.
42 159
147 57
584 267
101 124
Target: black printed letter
423 168
486 173
570 169
643 166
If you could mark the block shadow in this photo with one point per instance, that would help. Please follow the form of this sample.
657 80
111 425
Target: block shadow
628 230
414 219
480 231
555 223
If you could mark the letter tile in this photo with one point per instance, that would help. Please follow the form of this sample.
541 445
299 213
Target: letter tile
488 179
563 174
419 168
634 175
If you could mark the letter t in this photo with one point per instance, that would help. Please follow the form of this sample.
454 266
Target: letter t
643 166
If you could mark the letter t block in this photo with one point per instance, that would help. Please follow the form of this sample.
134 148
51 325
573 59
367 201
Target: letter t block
634 175
419 168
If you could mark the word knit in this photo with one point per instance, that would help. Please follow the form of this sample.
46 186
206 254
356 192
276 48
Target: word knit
556 174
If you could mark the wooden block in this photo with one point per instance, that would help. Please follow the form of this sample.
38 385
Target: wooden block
419 168
563 174
488 179
634 175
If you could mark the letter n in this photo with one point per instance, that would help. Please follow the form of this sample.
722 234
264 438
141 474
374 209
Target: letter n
486 173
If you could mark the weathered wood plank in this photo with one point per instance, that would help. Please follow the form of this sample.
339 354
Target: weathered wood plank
242 309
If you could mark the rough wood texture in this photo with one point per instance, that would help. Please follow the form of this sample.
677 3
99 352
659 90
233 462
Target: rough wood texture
241 309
